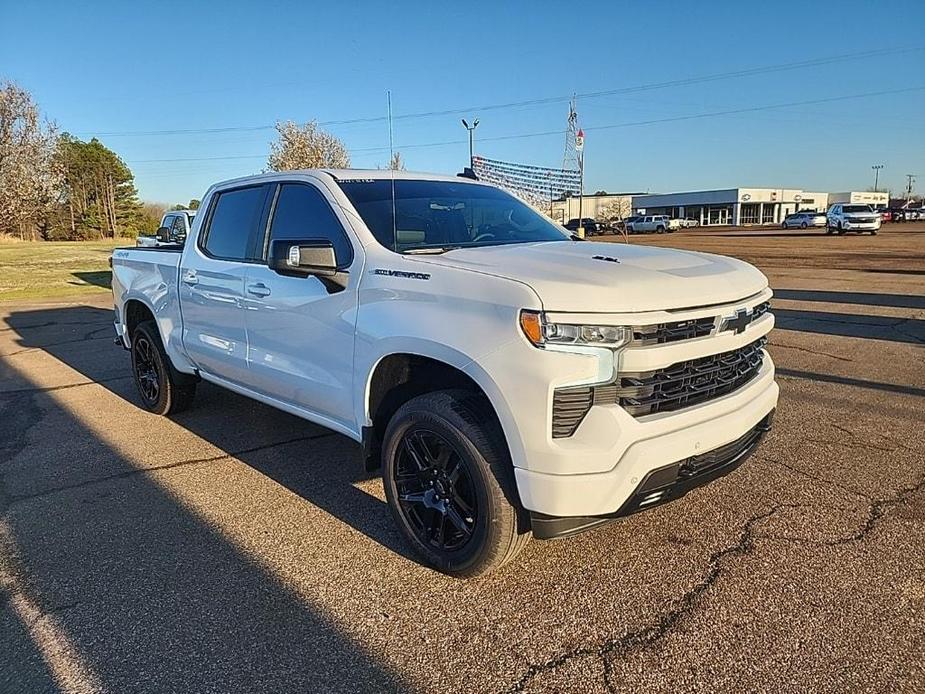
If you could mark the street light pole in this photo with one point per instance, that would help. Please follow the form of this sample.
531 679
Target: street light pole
471 129
876 168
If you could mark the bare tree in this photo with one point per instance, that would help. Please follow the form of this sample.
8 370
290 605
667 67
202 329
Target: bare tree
30 173
306 147
396 163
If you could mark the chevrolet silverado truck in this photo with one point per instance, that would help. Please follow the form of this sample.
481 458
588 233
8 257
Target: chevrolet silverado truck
174 228
510 380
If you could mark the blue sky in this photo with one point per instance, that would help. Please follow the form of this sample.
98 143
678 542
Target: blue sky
118 69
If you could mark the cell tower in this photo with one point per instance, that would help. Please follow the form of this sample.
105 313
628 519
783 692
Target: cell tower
570 157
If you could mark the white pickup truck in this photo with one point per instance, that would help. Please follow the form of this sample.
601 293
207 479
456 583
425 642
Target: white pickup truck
510 380
175 227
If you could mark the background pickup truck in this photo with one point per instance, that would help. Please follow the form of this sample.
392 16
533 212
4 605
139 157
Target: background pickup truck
175 227
509 380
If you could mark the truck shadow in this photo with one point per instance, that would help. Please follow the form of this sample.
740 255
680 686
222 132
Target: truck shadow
215 416
866 298
116 584
99 278
908 330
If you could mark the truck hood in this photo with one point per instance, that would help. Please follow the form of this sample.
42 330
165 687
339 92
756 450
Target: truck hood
612 277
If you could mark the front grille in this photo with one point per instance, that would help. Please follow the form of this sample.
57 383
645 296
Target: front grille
689 382
672 388
663 333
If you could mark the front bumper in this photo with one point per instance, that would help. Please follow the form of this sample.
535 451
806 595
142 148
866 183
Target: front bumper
860 226
661 485
600 484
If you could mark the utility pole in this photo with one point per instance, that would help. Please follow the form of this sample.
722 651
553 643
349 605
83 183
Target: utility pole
876 168
471 129
910 183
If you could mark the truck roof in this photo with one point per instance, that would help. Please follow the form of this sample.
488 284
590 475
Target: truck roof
353 175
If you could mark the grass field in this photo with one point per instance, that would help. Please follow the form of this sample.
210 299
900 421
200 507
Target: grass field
55 270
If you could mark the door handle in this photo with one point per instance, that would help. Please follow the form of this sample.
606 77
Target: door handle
259 289
190 277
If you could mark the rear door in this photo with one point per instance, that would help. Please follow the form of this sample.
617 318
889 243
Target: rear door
300 330
212 277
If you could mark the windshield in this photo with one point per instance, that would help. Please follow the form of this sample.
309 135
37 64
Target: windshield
856 208
446 214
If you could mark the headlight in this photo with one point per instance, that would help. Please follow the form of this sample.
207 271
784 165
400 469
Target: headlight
541 331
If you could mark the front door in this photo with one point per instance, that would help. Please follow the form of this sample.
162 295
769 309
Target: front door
300 330
212 279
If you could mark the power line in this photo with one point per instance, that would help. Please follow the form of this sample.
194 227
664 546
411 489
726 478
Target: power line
545 133
747 72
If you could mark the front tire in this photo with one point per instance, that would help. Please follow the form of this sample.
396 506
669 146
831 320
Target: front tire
450 484
161 388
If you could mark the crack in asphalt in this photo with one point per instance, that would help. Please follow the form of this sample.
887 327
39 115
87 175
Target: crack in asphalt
650 634
21 391
44 348
817 478
897 444
11 499
810 351
877 509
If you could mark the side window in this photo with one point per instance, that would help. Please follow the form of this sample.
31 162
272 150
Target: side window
234 221
168 221
178 228
303 213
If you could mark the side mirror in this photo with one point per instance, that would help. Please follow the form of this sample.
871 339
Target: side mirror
163 234
303 257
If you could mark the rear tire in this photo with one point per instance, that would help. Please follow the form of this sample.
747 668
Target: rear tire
803 225
162 389
450 484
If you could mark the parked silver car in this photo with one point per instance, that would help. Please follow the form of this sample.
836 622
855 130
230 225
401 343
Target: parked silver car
803 220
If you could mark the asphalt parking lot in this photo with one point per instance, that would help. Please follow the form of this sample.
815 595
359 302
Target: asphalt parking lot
236 548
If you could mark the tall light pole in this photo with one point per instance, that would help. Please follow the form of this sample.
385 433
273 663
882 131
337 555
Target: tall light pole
876 168
471 129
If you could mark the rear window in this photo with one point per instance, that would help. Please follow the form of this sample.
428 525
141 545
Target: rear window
234 223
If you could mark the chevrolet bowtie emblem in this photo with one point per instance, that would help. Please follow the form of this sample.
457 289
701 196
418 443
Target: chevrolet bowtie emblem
738 322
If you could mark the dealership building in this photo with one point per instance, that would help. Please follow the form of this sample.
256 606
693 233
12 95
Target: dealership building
729 206
597 206
732 205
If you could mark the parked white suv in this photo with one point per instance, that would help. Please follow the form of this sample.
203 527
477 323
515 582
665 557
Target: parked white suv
660 224
509 379
843 217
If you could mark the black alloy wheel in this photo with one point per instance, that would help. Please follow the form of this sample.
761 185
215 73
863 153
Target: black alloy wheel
162 388
435 490
449 482
147 373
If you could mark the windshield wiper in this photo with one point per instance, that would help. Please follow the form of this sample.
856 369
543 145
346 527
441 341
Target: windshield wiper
430 250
